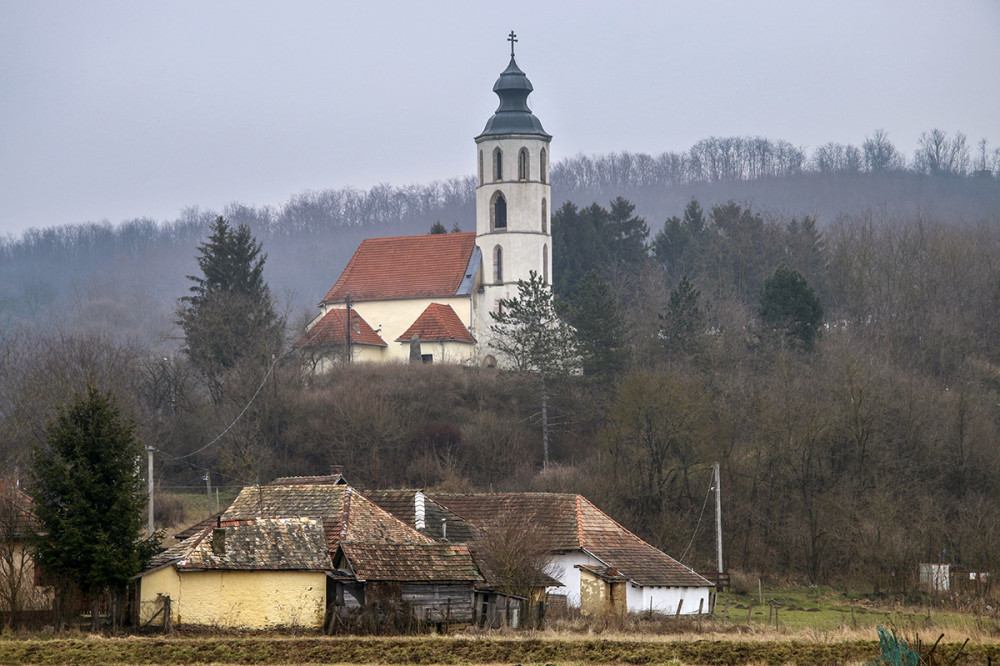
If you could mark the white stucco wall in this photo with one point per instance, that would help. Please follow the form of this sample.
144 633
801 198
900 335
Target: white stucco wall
638 598
567 574
665 599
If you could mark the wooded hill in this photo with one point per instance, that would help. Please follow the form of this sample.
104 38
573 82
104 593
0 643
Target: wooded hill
851 460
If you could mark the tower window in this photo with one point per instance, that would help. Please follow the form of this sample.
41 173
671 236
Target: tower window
480 167
497 164
498 212
543 167
545 216
498 264
522 164
545 263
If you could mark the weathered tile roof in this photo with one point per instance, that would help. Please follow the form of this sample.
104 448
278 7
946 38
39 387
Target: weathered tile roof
437 323
413 562
260 544
345 513
554 512
330 330
433 265
309 480
574 523
439 523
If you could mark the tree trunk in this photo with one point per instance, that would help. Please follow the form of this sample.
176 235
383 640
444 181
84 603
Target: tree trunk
95 618
545 424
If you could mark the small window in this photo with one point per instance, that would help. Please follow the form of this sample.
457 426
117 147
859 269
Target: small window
498 264
427 358
522 164
543 167
498 212
545 216
497 164
481 181
545 263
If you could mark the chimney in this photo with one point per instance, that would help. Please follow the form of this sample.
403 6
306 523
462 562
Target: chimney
444 529
219 541
419 517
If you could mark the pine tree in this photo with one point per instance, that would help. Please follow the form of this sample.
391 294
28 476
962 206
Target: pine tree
684 321
229 317
533 338
601 330
528 331
789 306
88 499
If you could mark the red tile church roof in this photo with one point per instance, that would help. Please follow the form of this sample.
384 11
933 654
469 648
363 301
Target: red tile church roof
433 265
438 323
330 330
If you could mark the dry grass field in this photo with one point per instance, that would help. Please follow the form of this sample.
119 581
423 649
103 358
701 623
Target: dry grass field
806 626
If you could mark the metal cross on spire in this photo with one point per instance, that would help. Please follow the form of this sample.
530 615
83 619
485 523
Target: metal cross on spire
512 38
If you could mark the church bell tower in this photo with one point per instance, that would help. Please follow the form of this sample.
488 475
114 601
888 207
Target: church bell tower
513 195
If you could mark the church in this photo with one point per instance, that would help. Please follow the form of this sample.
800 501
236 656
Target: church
432 295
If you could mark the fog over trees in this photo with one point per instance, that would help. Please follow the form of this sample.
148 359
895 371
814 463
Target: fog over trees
849 450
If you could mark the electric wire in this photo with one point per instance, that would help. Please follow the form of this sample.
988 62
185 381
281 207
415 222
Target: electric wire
274 362
698 526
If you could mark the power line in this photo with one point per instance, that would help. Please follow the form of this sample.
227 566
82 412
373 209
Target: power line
274 362
698 526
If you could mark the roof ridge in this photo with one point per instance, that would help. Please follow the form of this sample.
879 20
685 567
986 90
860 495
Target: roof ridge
579 522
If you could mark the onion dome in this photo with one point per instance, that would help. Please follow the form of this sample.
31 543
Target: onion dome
513 115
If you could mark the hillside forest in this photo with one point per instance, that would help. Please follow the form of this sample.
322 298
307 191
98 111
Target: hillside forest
851 449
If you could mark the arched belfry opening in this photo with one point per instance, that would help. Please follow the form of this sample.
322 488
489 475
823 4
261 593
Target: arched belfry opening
481 181
543 167
545 216
522 165
497 164
498 211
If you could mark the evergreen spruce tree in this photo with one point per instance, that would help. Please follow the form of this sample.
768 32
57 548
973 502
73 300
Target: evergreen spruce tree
88 500
789 306
601 331
229 318
684 321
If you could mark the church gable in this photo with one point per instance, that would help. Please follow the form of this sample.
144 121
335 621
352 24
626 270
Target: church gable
434 265
438 323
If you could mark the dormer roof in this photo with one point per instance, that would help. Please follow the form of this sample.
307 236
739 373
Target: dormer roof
438 323
331 330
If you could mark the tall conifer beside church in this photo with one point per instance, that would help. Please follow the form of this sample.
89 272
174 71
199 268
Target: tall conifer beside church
432 294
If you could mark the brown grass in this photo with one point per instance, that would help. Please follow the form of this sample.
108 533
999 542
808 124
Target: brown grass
757 647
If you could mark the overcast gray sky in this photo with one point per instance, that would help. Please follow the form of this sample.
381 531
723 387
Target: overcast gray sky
113 110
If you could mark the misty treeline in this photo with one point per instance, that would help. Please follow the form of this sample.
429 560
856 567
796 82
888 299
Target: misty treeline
124 278
852 461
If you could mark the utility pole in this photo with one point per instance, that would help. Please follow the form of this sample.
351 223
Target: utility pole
347 302
208 491
718 516
149 485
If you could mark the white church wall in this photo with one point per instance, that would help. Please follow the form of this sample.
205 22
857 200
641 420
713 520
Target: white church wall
391 318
